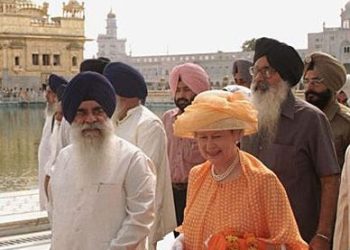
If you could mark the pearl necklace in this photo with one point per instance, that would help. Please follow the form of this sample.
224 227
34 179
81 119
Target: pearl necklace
220 177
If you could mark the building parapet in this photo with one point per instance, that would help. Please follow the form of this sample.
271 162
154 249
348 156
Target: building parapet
32 6
12 25
45 23
330 29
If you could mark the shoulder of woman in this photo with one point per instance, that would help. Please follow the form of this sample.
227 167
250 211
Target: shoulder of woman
254 166
199 170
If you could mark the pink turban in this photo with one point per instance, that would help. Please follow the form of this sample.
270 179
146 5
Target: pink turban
192 75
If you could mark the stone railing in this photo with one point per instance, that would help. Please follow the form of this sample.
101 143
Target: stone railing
159 96
12 100
45 23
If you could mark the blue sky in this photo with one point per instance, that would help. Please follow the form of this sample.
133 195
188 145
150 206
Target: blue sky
156 27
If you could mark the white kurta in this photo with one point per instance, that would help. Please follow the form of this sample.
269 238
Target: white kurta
44 152
145 130
64 133
341 239
114 211
60 138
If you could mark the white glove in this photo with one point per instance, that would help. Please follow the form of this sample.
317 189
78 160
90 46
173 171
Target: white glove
179 243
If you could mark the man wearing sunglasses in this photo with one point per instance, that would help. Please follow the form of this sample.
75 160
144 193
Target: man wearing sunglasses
324 75
294 140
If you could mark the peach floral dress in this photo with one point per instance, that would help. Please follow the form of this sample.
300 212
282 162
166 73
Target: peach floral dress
254 202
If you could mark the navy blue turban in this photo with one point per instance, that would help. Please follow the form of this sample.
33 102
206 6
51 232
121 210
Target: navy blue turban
282 57
55 82
126 80
60 91
95 65
88 86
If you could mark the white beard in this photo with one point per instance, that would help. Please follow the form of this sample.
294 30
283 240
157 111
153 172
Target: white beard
120 110
124 104
50 109
268 101
91 153
118 115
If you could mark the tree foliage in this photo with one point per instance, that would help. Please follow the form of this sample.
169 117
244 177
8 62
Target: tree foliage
249 45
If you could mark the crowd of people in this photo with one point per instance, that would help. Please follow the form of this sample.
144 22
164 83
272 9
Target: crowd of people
21 94
250 166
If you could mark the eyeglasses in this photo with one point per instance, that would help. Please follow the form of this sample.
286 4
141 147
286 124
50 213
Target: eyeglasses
266 71
313 81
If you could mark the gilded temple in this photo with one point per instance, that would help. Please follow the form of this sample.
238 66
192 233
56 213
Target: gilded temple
33 45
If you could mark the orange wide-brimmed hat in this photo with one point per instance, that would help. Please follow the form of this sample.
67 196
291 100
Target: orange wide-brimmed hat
217 110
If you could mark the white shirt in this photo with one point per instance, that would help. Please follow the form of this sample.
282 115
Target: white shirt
144 129
341 239
60 138
44 152
114 211
64 133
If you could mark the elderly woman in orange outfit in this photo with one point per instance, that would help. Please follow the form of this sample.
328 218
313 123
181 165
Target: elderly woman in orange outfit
233 200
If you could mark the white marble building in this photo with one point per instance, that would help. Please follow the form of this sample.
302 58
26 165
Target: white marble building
156 68
108 44
336 40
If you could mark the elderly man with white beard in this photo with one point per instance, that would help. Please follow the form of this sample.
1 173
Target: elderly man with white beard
102 188
44 150
294 140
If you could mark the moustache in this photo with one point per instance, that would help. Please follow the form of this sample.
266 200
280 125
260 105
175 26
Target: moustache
311 92
319 99
92 126
261 86
182 100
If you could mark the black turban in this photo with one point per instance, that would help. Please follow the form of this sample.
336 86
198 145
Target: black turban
282 57
55 82
126 80
95 65
88 86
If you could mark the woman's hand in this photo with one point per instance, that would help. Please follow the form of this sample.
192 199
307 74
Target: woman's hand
179 243
274 247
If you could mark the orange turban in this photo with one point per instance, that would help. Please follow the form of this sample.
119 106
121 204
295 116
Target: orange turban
217 110
193 75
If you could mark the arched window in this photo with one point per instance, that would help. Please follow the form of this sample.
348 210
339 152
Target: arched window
17 62
346 49
74 61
